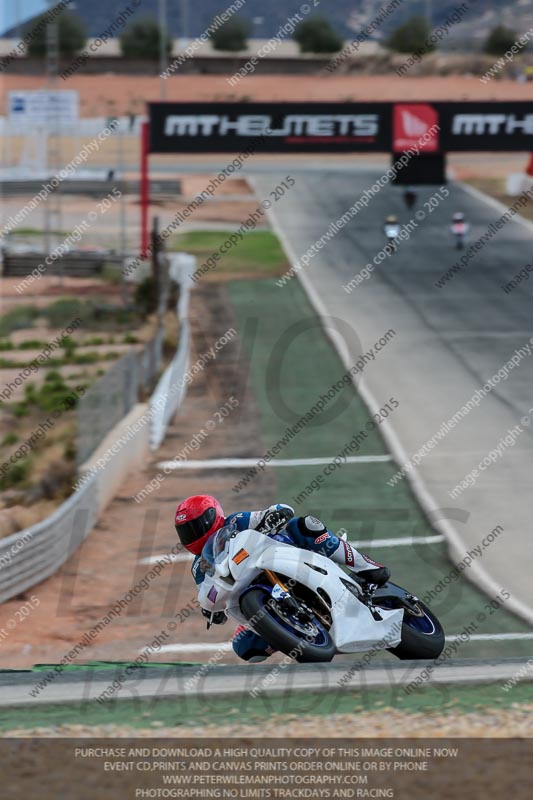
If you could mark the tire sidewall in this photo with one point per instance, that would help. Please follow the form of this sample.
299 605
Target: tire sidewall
416 645
278 636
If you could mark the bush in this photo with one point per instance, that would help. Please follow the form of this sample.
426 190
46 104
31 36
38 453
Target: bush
9 438
69 453
141 39
69 347
232 36
57 482
86 358
7 363
30 393
32 344
146 295
7 345
71 32
411 37
55 397
17 473
53 376
315 35
54 394
53 385
63 311
17 319
94 341
500 40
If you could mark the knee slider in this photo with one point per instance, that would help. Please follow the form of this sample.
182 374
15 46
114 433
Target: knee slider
311 526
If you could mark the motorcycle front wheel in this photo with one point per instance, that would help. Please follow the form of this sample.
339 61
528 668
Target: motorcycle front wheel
306 642
422 635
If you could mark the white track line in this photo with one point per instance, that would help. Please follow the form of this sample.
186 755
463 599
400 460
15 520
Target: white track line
208 647
491 201
236 463
201 647
496 637
398 542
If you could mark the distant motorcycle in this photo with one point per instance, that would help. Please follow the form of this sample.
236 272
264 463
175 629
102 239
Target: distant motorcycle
459 230
392 231
307 606
410 197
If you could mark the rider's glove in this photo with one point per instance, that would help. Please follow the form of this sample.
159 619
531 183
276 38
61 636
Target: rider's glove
215 617
275 516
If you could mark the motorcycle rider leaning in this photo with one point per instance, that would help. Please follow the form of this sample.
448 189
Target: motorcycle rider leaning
459 226
199 517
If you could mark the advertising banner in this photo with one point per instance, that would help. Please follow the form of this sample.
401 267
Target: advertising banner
340 127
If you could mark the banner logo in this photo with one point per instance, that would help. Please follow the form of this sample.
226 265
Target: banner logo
413 128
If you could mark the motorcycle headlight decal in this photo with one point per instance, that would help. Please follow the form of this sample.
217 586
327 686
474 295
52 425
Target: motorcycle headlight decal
239 557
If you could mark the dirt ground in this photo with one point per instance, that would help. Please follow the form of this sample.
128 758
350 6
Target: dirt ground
193 185
107 566
45 290
123 93
387 722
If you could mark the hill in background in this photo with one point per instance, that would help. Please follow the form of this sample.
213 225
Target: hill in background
347 16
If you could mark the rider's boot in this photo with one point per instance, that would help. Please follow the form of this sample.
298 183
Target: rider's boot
250 646
361 565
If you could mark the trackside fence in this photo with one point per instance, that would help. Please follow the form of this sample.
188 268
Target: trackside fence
171 388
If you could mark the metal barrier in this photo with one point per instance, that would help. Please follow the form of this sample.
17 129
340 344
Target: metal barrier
31 555
149 360
171 388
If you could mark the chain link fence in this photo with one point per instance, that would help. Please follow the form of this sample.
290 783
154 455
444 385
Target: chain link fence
113 395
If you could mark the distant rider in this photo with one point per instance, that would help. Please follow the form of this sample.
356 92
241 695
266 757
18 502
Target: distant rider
198 518
392 229
409 197
459 228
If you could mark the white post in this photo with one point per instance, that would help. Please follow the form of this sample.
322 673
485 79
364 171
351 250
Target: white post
163 58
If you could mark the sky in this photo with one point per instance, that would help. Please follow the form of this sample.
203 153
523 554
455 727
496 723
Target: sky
11 9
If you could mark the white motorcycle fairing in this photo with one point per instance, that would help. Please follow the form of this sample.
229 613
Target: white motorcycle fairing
248 553
392 230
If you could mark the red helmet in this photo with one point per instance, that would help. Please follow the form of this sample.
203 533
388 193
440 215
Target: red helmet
197 518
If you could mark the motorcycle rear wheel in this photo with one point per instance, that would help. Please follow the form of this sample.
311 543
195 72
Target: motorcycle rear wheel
254 606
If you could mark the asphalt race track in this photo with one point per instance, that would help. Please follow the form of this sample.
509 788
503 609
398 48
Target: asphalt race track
449 342
85 685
